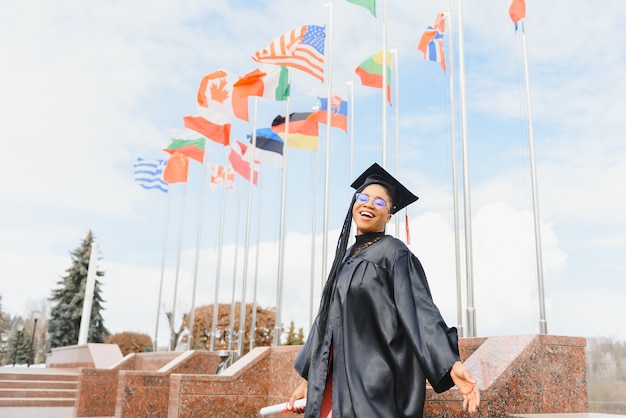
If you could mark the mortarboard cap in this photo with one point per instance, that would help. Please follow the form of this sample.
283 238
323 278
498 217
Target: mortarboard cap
375 174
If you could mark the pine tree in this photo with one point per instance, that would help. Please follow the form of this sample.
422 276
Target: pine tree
65 315
18 346
292 337
4 330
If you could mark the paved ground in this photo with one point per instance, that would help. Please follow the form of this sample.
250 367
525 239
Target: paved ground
39 412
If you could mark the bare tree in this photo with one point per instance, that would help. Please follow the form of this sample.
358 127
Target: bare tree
174 335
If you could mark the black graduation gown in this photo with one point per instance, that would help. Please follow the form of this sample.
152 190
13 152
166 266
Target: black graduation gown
388 337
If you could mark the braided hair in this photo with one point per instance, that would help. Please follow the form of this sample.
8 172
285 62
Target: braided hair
340 253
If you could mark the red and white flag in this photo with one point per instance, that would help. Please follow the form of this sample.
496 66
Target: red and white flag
215 109
240 164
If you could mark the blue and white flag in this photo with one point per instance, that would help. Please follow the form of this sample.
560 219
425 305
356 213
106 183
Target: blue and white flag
149 174
269 148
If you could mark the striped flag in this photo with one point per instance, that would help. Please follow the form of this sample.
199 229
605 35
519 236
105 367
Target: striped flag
188 142
431 43
370 72
269 147
337 106
272 83
301 48
149 174
303 133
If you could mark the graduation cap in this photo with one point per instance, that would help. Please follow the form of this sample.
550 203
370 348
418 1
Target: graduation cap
375 174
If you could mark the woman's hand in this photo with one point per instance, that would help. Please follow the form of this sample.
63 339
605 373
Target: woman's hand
466 384
299 393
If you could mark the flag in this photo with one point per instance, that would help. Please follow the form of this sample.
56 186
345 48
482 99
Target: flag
239 163
370 72
406 226
303 133
431 43
215 107
149 174
368 4
271 84
517 11
338 112
188 142
222 177
269 148
215 132
176 169
301 48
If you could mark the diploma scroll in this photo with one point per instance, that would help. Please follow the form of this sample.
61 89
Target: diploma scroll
280 407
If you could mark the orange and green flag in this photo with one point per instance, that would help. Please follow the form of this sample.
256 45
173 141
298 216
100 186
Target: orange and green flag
370 72
270 83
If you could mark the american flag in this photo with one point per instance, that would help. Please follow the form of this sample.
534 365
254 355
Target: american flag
301 48
431 43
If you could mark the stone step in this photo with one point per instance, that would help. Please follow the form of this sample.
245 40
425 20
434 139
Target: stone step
37 388
37 393
39 384
36 402
60 376
72 416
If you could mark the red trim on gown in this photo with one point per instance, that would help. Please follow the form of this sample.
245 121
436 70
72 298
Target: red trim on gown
326 410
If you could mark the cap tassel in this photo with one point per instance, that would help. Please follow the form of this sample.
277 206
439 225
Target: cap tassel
406 222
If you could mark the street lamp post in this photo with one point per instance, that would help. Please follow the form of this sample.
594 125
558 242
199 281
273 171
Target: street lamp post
20 328
31 360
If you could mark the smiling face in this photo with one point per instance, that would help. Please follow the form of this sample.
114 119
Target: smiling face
367 216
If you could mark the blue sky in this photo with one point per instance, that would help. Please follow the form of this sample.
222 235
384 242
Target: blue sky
87 88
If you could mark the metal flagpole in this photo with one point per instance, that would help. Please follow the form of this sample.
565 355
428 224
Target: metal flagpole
394 51
231 325
180 247
192 311
471 311
281 242
167 228
543 324
256 267
246 249
218 269
455 187
385 84
92 271
327 161
313 231
351 116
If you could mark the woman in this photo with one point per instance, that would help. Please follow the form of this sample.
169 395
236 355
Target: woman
378 335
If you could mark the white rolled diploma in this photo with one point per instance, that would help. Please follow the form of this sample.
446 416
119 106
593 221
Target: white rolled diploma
280 407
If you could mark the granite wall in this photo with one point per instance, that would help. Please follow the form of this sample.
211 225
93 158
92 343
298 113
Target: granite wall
516 374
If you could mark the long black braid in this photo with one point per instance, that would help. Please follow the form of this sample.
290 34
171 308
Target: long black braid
340 252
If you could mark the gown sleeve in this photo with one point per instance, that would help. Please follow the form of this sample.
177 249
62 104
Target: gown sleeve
303 359
434 343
